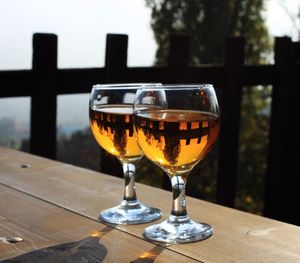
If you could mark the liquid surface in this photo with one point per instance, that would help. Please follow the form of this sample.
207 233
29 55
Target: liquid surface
112 127
176 140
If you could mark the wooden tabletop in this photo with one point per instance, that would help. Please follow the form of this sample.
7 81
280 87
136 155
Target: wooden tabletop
54 207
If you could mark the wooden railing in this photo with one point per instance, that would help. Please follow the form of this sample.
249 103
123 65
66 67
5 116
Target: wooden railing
45 81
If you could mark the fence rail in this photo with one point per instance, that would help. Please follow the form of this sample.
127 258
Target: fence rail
45 81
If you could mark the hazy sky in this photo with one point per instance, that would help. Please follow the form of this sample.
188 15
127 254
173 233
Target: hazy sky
81 26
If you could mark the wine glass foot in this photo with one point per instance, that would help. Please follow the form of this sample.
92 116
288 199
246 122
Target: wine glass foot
130 213
176 230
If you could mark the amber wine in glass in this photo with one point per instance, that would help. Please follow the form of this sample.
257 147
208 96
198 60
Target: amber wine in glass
112 127
176 126
111 121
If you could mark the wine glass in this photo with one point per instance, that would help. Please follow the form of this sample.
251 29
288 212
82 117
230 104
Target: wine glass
111 121
176 126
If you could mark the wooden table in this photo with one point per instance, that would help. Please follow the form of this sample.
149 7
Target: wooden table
54 207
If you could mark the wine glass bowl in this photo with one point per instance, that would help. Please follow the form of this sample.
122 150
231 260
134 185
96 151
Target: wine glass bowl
176 126
111 122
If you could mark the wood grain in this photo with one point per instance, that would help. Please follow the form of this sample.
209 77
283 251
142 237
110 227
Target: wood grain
53 234
238 237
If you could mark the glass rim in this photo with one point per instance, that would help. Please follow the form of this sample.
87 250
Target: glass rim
180 86
125 85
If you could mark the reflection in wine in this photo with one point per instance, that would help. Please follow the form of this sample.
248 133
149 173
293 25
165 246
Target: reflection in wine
176 140
112 126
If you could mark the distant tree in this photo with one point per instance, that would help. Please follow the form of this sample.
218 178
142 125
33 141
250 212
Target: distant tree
209 23
25 145
8 127
253 149
11 134
79 149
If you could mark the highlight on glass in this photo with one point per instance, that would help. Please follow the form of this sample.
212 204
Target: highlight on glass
176 126
111 122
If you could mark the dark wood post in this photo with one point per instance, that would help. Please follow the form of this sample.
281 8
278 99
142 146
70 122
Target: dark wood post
43 99
230 121
115 67
283 173
116 57
178 59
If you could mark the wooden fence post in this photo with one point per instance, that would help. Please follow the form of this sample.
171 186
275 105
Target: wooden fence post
116 57
43 99
283 173
230 121
115 68
178 60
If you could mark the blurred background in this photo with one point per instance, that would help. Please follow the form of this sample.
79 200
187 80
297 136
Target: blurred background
81 27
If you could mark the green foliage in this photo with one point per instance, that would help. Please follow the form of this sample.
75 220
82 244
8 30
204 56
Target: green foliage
11 135
202 179
253 148
79 149
148 173
209 23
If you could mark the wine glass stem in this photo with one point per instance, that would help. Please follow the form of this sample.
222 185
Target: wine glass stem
178 189
129 172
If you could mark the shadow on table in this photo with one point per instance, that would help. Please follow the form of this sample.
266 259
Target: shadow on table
86 250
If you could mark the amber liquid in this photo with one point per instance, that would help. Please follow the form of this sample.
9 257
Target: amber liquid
112 127
176 140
